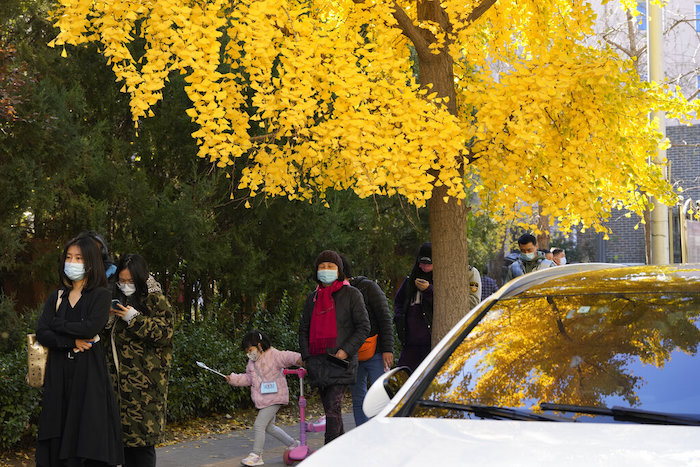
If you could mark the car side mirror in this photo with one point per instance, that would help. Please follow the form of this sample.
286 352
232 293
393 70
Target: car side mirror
384 389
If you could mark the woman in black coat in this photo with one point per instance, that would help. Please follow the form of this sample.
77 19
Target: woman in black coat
79 423
333 326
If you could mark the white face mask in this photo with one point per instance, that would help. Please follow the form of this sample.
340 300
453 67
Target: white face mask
74 271
527 256
562 261
127 289
253 355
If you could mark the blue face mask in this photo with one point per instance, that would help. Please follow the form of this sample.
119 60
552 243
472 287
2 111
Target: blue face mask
327 276
74 271
527 256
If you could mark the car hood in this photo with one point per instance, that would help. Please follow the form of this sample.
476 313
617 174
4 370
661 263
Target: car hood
418 442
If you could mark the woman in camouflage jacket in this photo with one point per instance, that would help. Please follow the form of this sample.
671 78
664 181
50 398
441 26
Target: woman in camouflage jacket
139 348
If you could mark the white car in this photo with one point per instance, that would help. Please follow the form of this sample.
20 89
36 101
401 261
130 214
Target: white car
580 365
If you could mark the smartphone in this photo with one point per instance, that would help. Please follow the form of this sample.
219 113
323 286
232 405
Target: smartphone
116 302
337 361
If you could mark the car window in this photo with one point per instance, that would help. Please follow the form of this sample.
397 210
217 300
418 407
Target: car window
636 350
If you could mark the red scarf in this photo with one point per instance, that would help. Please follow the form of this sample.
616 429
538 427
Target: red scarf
323 333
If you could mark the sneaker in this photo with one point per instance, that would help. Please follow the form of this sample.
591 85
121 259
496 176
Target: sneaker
294 445
252 459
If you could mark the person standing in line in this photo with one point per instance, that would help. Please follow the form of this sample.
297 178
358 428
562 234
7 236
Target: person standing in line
529 259
268 389
333 326
377 353
413 310
79 422
547 255
138 340
475 287
559 256
110 266
488 287
413 307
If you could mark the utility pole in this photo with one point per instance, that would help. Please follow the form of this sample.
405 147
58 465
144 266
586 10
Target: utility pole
659 216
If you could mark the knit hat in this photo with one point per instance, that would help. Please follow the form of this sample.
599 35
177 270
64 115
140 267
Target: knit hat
330 256
425 253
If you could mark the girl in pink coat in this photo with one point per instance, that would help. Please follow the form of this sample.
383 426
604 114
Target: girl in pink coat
268 389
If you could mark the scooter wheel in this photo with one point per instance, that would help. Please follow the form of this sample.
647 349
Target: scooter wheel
285 457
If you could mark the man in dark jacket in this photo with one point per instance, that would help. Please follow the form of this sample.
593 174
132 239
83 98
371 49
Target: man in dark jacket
381 337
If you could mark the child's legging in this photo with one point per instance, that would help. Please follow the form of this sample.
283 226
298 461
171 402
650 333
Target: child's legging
265 423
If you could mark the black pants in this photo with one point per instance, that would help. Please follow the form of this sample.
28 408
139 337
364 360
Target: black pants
142 456
332 399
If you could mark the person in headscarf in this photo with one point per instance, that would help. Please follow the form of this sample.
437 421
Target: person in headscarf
413 310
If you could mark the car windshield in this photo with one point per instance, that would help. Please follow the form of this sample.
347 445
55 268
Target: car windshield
563 355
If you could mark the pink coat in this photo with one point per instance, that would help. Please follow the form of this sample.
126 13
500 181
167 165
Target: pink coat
270 366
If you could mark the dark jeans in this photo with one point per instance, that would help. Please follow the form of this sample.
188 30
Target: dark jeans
370 369
332 399
142 456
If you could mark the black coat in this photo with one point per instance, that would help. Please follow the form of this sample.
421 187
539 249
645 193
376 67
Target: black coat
352 323
380 318
78 409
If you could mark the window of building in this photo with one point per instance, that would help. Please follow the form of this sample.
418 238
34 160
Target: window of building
642 16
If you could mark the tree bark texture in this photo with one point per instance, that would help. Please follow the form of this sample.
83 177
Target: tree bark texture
447 220
451 260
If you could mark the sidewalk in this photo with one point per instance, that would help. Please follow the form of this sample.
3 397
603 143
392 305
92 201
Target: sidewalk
228 449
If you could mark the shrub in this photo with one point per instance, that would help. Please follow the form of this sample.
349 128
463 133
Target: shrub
196 392
19 403
12 333
193 391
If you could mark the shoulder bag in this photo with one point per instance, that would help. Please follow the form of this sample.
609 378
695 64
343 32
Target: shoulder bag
37 355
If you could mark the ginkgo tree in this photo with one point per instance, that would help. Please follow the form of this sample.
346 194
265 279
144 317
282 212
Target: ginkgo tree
432 101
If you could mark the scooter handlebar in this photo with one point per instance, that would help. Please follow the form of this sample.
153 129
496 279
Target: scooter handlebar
300 372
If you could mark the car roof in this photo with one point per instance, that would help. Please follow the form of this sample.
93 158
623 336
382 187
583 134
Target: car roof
587 278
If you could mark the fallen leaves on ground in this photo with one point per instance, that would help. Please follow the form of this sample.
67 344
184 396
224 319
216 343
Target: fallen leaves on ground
201 427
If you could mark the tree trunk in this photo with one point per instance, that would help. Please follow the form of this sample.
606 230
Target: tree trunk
450 257
447 220
543 225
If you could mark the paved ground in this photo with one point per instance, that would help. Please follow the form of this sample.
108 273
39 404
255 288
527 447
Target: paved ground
228 449
223 450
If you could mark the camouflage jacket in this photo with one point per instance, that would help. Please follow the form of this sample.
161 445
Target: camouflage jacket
143 351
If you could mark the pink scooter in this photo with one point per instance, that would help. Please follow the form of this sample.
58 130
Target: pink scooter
302 451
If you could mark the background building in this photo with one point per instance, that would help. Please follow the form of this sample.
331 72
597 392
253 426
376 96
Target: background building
626 33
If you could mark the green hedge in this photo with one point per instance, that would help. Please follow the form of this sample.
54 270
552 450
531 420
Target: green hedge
195 392
19 403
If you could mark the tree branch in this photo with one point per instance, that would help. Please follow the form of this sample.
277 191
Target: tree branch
479 10
410 30
621 48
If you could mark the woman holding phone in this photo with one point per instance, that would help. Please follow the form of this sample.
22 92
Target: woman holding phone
333 326
139 348
413 310
79 421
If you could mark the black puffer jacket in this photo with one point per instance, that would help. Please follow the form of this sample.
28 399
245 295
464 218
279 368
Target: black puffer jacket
352 323
380 318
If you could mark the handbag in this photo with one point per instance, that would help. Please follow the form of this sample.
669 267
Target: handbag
37 355
368 348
